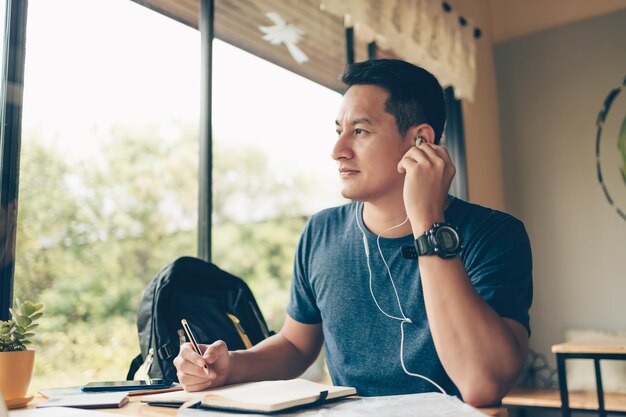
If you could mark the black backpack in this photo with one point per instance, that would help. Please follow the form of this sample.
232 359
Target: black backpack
216 304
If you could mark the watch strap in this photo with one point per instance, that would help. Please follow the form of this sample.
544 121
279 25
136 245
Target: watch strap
427 244
424 245
409 252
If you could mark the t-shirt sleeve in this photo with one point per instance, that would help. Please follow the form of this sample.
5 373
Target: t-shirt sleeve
302 305
499 264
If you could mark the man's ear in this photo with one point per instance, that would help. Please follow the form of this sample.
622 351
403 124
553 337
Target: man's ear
424 130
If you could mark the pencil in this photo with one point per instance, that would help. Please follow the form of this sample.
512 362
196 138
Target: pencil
194 344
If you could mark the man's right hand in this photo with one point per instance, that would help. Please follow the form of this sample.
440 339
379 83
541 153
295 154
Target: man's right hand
190 366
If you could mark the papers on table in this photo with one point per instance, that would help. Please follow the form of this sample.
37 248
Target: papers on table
108 400
58 412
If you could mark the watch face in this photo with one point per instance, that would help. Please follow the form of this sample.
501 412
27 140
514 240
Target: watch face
447 238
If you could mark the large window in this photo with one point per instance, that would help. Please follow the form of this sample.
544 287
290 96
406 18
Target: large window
109 173
108 176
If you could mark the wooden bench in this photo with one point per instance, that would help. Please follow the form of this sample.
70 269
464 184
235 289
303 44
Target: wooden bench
596 401
551 399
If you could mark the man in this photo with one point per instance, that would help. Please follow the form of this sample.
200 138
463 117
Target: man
453 319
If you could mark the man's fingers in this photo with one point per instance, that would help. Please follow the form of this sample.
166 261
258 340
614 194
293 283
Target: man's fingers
214 351
414 156
440 151
426 156
442 155
188 354
196 387
191 368
433 156
405 164
437 155
419 155
193 383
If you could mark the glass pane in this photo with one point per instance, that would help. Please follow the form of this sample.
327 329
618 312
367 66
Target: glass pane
108 176
274 132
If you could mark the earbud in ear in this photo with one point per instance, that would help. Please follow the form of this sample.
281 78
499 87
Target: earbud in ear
419 140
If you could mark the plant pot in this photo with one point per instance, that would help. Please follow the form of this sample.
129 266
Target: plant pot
16 370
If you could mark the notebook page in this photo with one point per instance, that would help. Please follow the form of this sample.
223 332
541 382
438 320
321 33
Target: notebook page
273 392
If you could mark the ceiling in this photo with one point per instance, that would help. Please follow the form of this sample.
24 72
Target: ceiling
237 22
516 18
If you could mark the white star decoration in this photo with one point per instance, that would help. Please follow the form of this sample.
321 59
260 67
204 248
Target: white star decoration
283 32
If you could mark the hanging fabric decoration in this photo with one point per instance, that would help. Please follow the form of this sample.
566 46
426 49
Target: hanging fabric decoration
427 33
283 32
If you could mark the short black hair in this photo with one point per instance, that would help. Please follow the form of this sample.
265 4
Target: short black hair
415 95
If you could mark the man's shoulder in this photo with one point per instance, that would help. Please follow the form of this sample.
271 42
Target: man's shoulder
465 214
487 228
333 215
327 225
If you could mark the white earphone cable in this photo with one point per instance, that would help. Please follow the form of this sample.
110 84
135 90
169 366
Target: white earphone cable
402 319
393 284
425 378
369 268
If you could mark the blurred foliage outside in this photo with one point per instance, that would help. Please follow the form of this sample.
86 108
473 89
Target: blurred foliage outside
92 234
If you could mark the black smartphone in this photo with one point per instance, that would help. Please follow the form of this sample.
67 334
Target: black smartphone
127 385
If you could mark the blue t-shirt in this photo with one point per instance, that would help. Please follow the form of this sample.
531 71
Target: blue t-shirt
362 346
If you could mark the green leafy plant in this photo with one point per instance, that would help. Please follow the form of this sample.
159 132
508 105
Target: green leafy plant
15 334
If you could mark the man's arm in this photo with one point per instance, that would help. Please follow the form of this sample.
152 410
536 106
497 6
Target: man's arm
285 355
481 351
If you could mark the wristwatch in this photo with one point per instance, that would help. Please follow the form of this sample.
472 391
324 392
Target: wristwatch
442 240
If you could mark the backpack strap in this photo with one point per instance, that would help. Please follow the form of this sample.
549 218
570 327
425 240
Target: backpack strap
166 351
134 366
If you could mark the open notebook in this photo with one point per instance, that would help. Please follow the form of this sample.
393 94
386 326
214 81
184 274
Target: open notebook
265 396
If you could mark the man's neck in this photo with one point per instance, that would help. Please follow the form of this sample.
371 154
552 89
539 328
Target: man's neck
380 216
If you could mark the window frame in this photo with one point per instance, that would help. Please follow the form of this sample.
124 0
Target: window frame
206 25
455 144
12 85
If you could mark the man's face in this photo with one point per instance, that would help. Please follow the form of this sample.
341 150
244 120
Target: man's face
369 146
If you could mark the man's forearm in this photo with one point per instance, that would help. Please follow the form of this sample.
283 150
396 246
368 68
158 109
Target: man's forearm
274 358
476 346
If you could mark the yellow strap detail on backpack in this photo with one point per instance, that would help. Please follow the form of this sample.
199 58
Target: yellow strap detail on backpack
240 330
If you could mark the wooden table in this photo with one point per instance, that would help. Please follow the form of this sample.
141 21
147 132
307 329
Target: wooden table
136 408
595 350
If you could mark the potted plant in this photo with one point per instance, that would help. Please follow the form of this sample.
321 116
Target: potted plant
16 361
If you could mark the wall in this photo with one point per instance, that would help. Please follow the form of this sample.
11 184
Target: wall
499 20
482 141
515 18
551 86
